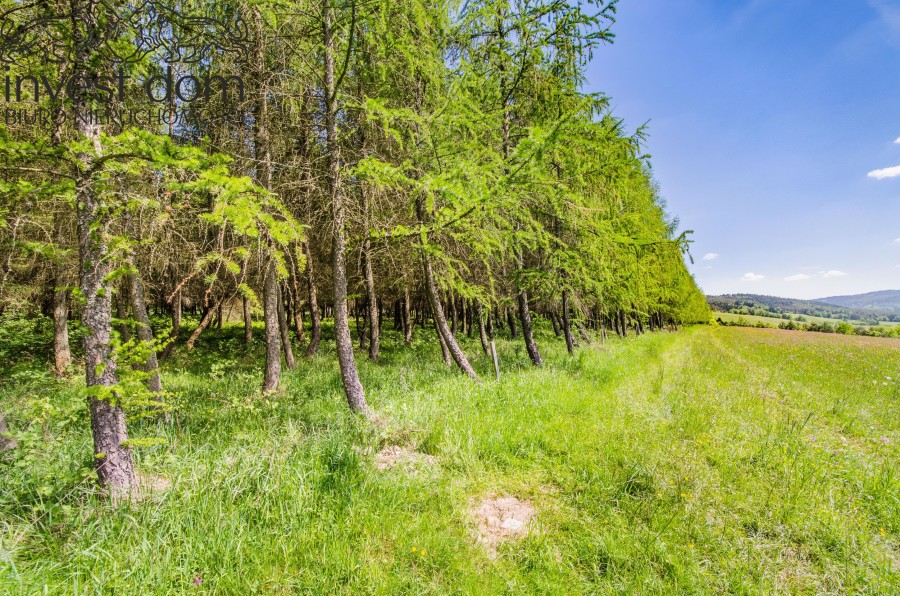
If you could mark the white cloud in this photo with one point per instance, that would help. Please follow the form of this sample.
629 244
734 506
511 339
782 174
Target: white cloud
833 273
897 241
752 277
897 140
711 256
885 173
798 277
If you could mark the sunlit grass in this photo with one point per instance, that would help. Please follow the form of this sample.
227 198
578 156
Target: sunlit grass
711 460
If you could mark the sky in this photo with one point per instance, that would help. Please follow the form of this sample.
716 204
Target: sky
774 134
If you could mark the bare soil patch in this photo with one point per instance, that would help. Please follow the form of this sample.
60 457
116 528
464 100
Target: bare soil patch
395 455
500 519
149 485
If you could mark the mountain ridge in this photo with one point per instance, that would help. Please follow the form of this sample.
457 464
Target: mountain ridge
880 300
817 307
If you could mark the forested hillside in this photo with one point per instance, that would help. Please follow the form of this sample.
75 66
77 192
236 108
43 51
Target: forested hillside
885 300
413 165
773 305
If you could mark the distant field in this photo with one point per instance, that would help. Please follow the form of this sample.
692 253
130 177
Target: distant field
729 317
716 460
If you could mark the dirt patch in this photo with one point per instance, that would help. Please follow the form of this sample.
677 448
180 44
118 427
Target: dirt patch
149 485
395 455
500 519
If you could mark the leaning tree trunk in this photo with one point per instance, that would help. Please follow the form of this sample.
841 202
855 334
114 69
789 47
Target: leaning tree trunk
445 351
356 396
566 327
527 332
441 321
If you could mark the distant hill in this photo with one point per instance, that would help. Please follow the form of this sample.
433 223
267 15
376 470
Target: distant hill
757 304
885 300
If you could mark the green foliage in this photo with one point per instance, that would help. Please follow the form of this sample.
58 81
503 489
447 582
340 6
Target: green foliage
690 461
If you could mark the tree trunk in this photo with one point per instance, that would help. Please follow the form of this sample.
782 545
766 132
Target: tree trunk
583 333
297 310
441 322
482 332
273 334
285 333
445 351
362 318
176 326
62 356
511 322
7 443
567 328
315 332
248 320
407 319
204 323
112 456
143 330
454 314
554 320
527 333
372 300
264 178
356 397
121 304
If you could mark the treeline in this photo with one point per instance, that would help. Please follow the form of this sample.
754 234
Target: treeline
843 328
775 306
428 164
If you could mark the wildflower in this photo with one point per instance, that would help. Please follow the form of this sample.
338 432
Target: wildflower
684 495
422 553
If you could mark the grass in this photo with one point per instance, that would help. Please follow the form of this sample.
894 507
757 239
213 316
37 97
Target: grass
710 460
753 319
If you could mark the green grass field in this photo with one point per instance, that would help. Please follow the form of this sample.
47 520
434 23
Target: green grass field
753 319
713 460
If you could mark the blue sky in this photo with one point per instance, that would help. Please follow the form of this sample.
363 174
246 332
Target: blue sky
772 129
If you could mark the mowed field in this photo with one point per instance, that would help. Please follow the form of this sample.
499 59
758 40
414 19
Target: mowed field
712 460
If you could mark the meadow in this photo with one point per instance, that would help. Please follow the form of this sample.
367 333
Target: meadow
754 319
711 460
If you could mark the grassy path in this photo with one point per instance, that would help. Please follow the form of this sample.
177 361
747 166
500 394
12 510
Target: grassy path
709 461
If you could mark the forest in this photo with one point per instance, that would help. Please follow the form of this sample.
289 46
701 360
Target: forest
425 167
775 306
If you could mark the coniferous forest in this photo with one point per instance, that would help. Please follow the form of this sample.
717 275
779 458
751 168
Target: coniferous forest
433 165
245 247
